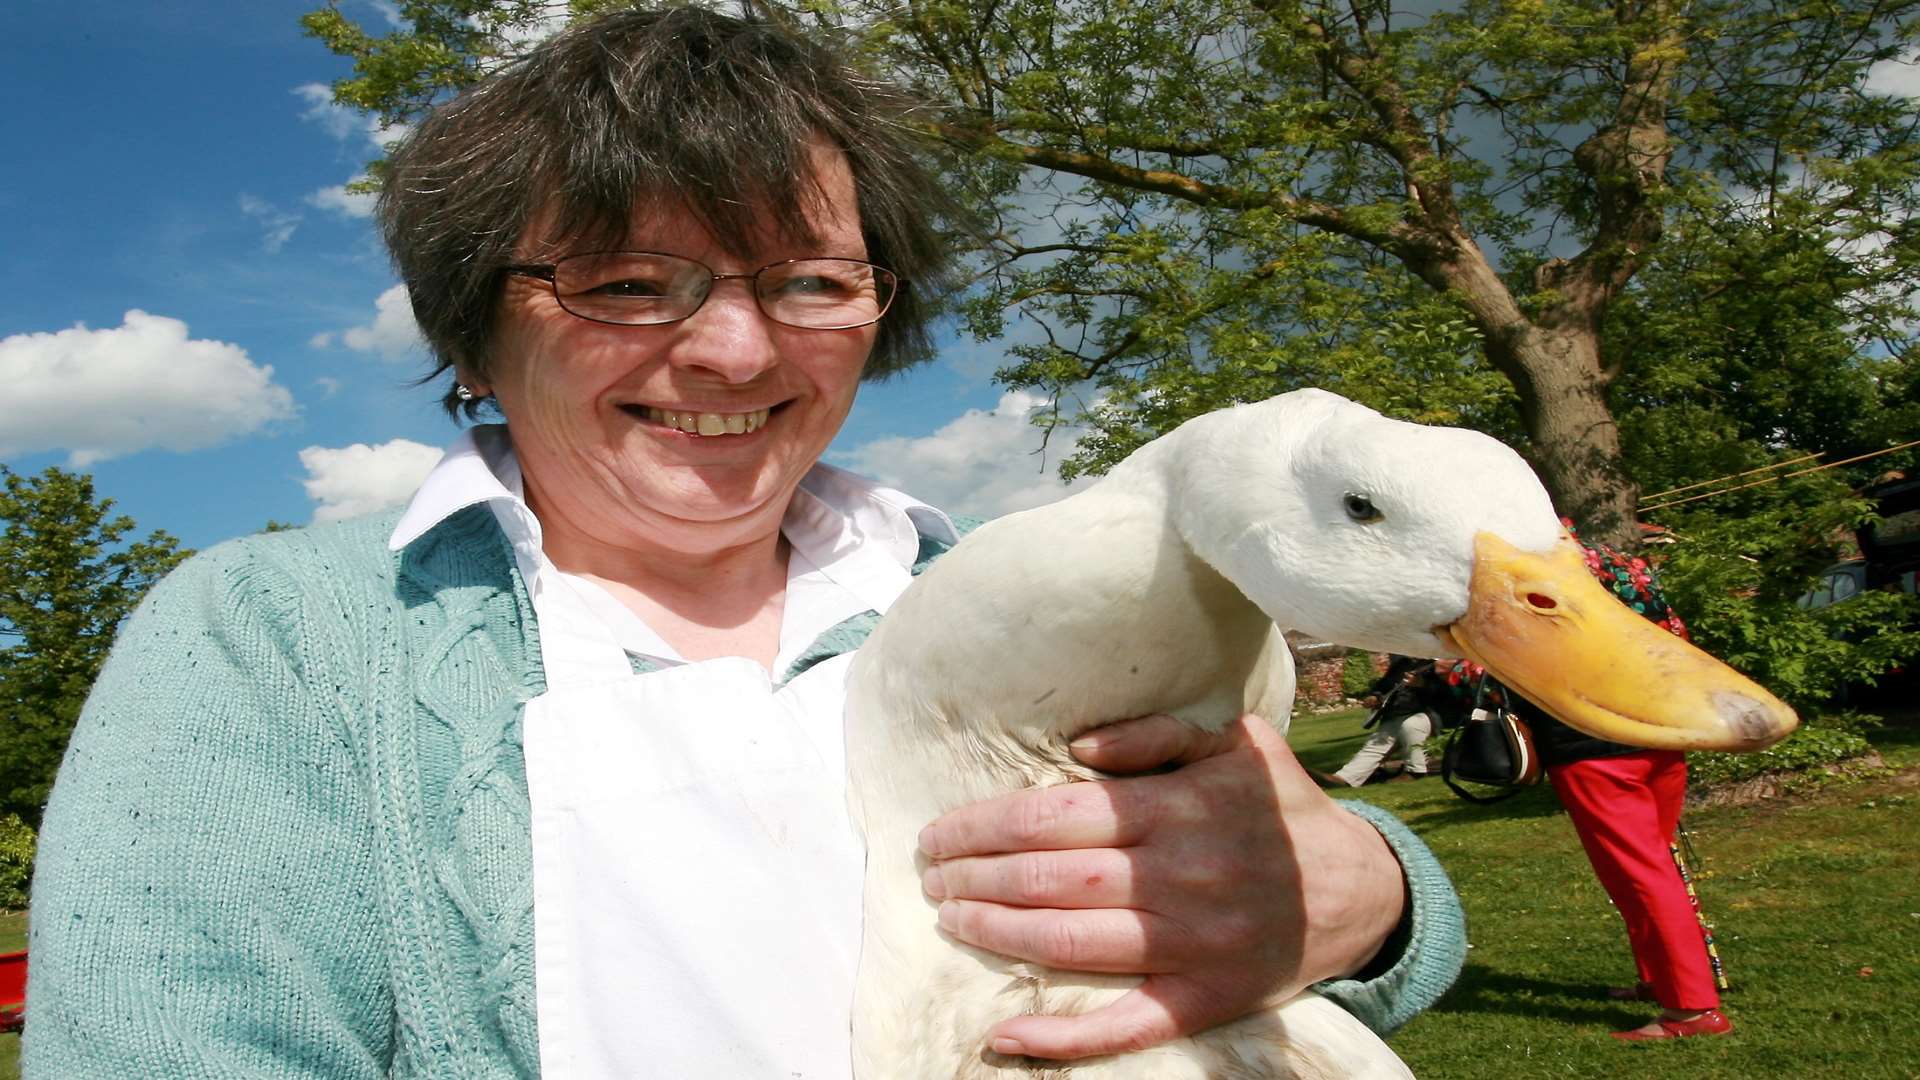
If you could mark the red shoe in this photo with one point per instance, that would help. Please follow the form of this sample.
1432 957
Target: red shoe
1707 1023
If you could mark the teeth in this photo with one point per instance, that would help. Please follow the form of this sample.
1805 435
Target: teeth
708 423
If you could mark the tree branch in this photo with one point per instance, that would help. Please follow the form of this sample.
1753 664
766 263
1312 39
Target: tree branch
1627 162
1400 135
1403 239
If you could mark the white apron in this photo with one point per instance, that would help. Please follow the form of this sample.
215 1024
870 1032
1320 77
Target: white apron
696 876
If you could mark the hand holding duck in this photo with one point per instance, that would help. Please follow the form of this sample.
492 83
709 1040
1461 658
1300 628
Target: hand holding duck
1234 880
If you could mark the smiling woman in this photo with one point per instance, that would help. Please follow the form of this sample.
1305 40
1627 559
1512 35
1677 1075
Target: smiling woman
545 774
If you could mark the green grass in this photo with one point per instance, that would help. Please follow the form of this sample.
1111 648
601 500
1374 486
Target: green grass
1808 896
1816 902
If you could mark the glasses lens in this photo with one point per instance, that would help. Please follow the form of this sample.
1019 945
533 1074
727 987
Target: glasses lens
825 294
631 288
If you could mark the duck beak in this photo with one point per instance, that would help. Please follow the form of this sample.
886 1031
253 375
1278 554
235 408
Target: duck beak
1543 626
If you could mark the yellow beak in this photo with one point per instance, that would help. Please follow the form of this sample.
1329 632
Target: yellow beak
1543 626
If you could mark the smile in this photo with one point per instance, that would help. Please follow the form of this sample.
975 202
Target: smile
707 423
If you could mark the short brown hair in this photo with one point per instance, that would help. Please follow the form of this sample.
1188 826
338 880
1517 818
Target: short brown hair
655 109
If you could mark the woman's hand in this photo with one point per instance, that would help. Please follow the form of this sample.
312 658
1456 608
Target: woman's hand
1231 883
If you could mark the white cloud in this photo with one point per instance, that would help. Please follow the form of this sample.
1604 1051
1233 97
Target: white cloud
982 462
342 123
522 36
328 385
338 200
1900 77
359 479
277 223
333 119
392 335
100 394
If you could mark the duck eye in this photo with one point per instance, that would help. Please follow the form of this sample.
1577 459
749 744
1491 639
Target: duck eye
1361 509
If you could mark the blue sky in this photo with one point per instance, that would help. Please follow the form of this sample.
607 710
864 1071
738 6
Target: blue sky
179 161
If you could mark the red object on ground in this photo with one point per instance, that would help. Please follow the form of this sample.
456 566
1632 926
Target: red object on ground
1707 1023
13 990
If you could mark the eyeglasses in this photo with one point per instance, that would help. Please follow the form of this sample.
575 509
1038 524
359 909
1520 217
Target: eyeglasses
646 288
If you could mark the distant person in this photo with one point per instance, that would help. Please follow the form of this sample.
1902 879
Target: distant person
1404 718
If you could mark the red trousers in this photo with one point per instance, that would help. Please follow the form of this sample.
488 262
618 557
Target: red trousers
1625 809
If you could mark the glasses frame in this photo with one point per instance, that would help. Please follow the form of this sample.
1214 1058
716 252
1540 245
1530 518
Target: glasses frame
549 273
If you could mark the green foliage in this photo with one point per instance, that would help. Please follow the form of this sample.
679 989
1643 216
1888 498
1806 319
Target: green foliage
1191 203
1357 674
1805 750
443 48
1756 343
68 576
1754 340
1735 579
16 861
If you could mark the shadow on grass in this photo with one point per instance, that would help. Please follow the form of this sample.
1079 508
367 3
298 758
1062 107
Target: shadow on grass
1535 802
1499 993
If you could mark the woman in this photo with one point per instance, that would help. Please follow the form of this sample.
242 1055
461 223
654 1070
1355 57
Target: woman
544 775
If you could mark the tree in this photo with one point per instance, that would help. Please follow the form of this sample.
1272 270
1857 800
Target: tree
67 580
1756 339
1193 202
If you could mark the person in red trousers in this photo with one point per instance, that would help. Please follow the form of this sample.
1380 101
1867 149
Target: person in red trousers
1625 804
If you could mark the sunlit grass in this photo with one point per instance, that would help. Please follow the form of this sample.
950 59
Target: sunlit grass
1816 901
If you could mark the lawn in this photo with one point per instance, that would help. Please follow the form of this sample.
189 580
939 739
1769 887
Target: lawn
1816 900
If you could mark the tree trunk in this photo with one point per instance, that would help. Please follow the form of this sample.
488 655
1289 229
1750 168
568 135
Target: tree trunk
1553 361
1576 444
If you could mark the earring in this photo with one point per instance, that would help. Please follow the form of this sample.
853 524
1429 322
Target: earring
463 392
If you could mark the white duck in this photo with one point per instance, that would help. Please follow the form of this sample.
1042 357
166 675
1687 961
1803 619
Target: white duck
1163 589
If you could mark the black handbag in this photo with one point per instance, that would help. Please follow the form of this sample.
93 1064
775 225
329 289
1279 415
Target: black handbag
1494 747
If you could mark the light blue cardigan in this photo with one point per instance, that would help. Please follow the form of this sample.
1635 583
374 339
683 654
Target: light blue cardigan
290 835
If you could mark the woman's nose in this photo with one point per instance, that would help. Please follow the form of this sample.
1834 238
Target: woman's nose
729 335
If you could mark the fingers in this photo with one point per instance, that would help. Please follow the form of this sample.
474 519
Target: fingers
1106 940
1097 878
1229 883
1161 1009
1113 813
1152 742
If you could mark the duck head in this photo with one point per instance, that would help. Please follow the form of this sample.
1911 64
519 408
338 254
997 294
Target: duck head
1441 542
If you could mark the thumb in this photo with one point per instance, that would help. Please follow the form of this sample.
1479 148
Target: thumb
1161 1009
1153 742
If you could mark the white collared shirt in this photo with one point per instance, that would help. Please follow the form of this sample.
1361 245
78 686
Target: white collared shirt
693 862
853 543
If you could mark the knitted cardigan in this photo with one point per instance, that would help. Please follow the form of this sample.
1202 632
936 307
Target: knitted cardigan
290 837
